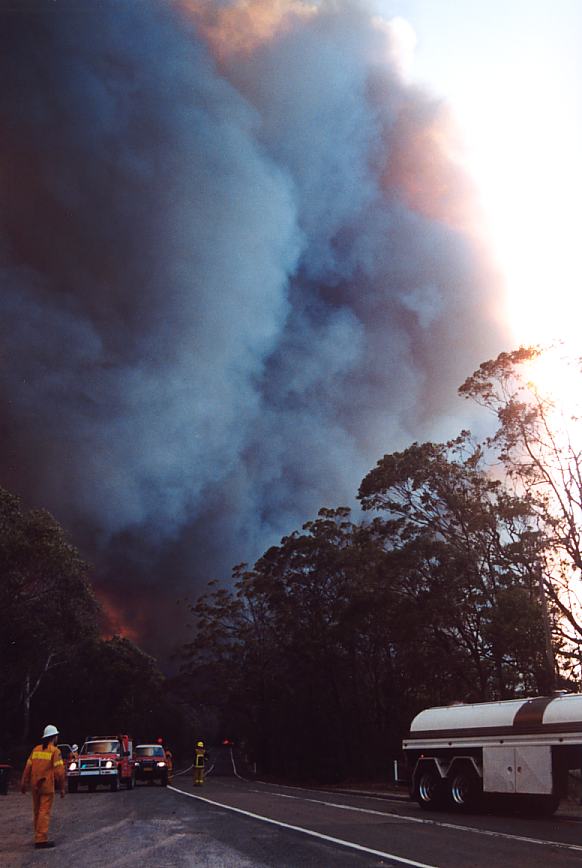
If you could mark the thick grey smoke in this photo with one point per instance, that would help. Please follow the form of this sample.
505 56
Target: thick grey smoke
228 281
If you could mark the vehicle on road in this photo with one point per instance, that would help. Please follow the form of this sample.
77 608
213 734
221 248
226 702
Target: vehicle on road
103 760
520 749
151 763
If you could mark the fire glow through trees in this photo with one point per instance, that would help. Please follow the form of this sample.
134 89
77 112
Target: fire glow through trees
234 274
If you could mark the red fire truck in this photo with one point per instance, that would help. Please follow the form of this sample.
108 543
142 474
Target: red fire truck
103 759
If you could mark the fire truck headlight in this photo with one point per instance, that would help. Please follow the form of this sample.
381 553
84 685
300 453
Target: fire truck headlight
161 765
136 765
108 764
72 767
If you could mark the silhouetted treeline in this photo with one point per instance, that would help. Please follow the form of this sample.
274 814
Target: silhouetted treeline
54 665
324 650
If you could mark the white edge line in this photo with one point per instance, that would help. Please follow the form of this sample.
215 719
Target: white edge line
425 821
304 831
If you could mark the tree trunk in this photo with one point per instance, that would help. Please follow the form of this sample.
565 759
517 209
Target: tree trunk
26 708
28 692
550 658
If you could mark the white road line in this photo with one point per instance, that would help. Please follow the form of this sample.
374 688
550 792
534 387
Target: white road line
427 822
383 799
309 832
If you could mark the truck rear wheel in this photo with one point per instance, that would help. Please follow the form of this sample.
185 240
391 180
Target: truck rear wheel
430 789
466 789
115 784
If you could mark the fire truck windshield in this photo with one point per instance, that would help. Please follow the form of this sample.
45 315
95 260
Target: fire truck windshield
150 750
100 747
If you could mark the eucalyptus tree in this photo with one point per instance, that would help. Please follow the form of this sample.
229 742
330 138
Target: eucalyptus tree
466 552
47 607
535 395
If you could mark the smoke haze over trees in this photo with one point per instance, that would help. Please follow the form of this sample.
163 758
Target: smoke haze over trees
233 271
335 638
55 666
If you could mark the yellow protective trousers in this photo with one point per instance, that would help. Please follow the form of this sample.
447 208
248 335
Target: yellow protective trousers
42 804
199 768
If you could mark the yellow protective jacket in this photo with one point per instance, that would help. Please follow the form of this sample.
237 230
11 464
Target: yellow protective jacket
200 755
44 767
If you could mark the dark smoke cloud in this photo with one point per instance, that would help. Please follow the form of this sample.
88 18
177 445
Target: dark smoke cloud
228 281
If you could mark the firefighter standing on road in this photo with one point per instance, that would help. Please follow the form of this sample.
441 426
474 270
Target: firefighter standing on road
199 760
169 760
43 768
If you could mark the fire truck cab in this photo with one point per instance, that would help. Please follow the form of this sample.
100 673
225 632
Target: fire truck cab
520 749
103 759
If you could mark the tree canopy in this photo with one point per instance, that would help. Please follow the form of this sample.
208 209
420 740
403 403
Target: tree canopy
534 393
47 606
56 667
327 646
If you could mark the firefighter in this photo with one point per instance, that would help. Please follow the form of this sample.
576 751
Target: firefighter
199 760
169 763
74 757
169 760
43 769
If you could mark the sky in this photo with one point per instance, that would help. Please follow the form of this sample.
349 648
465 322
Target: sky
512 72
247 248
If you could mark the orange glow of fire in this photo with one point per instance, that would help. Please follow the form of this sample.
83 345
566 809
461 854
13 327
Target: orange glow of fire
241 27
115 623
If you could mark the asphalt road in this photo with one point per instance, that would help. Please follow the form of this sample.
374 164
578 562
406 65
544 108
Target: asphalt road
232 822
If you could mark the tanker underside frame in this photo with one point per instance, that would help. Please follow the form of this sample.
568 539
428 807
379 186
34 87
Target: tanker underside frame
531 776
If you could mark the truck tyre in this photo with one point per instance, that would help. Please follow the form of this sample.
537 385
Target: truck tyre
430 788
164 780
130 782
466 789
115 784
72 786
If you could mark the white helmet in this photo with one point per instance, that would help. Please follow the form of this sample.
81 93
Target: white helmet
50 730
75 747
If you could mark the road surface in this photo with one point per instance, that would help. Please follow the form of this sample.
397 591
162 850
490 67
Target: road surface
232 822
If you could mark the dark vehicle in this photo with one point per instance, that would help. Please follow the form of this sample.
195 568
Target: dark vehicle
150 763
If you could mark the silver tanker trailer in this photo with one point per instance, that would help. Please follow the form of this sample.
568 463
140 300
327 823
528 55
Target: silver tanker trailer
521 749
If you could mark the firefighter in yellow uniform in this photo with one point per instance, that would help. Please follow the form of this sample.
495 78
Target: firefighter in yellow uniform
199 760
43 769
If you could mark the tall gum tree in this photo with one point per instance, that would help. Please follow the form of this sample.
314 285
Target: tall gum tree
533 393
466 551
47 607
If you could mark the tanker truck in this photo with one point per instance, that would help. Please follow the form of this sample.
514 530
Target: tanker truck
520 750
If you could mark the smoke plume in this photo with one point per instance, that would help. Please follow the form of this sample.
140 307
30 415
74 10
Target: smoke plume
238 264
